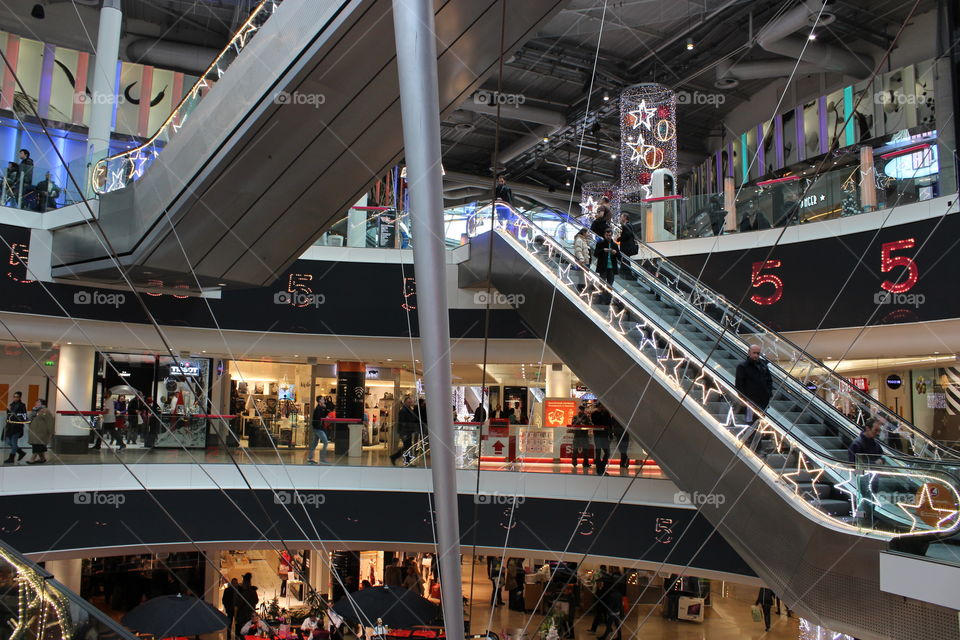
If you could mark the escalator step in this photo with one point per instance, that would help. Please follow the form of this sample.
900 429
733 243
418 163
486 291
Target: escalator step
828 442
821 489
811 429
834 507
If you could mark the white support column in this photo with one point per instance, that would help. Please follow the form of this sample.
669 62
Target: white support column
66 572
75 389
559 381
357 224
104 85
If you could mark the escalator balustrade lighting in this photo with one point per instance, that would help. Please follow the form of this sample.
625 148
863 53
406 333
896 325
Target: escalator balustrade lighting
682 371
118 171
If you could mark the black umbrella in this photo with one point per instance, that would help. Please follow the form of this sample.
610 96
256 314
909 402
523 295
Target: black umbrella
396 606
173 616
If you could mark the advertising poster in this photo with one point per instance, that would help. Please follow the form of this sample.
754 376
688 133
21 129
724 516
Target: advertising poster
559 412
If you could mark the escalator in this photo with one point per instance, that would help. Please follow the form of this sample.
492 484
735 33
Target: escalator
661 350
285 139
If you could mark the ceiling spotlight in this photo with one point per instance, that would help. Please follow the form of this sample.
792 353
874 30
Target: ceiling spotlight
690 44
38 12
567 183
569 168
546 139
613 156
812 36
606 97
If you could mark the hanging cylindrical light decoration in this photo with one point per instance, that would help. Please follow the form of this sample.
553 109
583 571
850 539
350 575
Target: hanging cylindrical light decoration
592 192
648 137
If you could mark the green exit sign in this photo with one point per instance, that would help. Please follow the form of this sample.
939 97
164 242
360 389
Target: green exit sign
50 363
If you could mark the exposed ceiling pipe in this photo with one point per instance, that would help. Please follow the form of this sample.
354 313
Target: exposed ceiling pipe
481 104
171 55
778 36
759 70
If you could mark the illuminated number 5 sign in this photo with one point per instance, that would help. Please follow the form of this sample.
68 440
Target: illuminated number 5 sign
889 263
758 279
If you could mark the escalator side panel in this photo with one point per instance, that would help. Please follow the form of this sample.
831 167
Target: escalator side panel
800 557
467 31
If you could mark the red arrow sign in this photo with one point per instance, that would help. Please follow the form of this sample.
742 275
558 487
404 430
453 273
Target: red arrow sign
498 447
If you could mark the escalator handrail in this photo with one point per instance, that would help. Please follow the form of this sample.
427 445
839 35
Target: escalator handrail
236 43
732 310
824 460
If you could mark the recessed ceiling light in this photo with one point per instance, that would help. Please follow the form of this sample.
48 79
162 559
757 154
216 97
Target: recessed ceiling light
690 44
812 36
389 359
613 156
606 97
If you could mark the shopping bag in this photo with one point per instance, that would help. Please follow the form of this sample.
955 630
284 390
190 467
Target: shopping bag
755 613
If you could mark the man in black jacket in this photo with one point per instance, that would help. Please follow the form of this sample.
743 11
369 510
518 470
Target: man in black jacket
16 419
628 239
408 425
754 380
319 433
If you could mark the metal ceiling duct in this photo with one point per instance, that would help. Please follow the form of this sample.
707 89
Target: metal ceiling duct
481 102
171 55
778 37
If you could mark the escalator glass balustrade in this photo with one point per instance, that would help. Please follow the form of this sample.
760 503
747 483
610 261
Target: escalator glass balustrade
691 340
119 171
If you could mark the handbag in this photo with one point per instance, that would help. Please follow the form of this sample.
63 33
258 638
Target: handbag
755 613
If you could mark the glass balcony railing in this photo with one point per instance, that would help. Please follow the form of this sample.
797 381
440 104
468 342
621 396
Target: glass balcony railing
118 171
889 496
34 189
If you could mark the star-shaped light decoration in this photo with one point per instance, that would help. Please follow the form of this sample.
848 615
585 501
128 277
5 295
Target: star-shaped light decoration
926 498
563 272
708 384
589 206
642 115
647 336
671 355
639 150
245 34
803 466
730 423
616 319
591 289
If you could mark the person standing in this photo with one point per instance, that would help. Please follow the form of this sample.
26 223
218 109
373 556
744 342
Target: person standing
754 381
619 433
25 185
108 421
393 574
480 414
228 600
602 421
581 248
628 239
11 184
494 573
134 409
581 438
408 425
604 219
717 215
765 602
47 193
866 448
607 253
41 432
502 192
319 433
13 431
283 571
245 602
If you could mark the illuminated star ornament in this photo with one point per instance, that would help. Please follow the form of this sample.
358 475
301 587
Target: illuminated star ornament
642 115
588 206
928 507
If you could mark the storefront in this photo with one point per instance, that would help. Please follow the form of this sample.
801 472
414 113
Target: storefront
179 388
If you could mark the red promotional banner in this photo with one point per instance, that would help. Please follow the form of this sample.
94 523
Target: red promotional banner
559 412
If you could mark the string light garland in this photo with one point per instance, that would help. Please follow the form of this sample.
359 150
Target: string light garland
648 137
592 192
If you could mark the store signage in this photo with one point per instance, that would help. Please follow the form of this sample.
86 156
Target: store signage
894 381
862 383
386 228
185 369
559 412
373 374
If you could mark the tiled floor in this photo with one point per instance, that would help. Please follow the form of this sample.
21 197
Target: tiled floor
728 619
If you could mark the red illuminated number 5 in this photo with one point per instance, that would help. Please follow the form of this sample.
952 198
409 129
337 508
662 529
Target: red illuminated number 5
888 262
759 280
